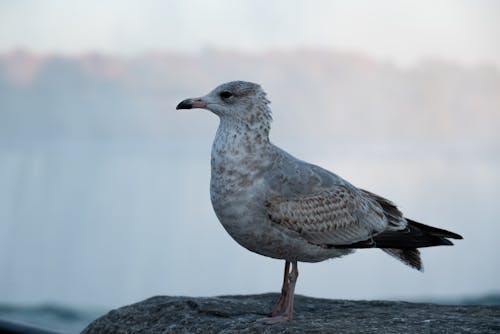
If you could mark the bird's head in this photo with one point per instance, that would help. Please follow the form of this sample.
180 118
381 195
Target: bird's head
239 101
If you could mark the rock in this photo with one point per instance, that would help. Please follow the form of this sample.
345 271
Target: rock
230 314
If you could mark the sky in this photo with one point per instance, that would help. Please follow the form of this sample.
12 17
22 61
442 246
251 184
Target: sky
404 32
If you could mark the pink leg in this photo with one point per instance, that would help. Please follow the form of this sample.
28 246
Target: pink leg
285 303
280 305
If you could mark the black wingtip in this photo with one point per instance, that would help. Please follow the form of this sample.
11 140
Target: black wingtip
434 230
445 242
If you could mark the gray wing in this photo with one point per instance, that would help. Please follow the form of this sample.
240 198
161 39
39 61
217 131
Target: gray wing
324 208
337 216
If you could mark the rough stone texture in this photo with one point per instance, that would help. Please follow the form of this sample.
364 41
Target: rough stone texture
237 314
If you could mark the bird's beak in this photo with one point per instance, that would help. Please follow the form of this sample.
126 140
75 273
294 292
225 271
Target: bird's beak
192 103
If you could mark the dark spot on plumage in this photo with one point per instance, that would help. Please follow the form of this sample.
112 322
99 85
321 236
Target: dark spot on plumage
250 105
258 139
248 147
252 118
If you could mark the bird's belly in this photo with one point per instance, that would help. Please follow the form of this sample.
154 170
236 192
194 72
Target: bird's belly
249 225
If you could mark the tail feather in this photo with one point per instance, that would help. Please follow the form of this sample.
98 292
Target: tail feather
410 257
403 243
407 241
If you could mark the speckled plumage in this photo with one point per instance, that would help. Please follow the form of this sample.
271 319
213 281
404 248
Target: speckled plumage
279 206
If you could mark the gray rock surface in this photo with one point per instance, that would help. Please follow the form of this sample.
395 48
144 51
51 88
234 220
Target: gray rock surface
237 314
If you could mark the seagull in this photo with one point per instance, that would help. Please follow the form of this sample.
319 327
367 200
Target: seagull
281 207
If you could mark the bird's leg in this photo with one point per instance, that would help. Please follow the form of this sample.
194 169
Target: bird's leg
294 274
280 305
287 308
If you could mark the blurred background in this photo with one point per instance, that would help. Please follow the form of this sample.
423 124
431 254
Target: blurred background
104 186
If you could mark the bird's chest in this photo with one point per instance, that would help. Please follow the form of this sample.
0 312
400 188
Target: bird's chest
236 184
234 175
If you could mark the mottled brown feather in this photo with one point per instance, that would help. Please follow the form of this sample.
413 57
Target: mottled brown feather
338 216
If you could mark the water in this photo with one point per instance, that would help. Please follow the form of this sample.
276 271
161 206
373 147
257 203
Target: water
49 317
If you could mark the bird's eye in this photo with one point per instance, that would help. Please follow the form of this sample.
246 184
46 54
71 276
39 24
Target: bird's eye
225 94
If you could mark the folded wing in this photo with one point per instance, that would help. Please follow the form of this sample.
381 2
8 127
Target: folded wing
347 218
334 217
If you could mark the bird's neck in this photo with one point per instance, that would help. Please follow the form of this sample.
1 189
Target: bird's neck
238 141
